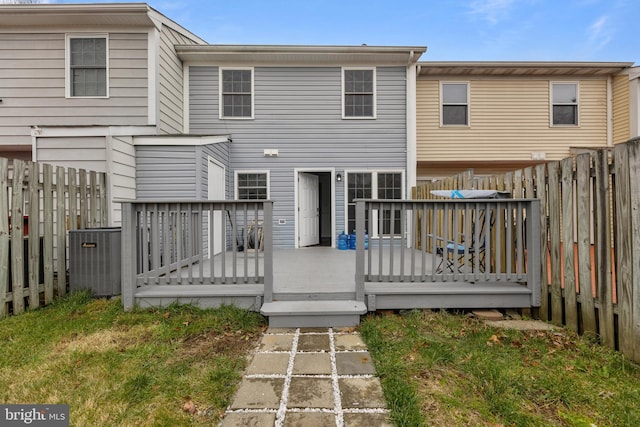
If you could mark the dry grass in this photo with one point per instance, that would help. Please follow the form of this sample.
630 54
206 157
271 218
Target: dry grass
176 366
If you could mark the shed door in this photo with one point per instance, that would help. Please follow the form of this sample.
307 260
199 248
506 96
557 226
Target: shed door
216 185
308 209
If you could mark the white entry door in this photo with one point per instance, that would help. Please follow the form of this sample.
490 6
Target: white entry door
216 185
308 209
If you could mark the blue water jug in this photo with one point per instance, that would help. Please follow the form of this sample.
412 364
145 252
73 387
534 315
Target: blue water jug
343 241
352 240
366 241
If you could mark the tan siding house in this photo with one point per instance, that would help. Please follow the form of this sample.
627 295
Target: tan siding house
506 119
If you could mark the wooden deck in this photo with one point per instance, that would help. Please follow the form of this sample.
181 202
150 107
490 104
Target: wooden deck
165 245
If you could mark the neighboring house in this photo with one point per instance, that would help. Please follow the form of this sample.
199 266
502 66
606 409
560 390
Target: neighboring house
501 116
80 82
311 128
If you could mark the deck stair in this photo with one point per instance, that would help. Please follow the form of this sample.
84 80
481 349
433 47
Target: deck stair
313 313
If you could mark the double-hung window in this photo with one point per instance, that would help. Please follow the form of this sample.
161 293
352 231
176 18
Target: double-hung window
252 185
359 93
455 104
375 185
87 72
236 93
564 103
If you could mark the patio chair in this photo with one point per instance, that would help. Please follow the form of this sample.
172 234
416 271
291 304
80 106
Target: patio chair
467 248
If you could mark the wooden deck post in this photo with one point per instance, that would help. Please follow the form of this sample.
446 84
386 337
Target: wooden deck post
359 279
268 251
129 255
533 252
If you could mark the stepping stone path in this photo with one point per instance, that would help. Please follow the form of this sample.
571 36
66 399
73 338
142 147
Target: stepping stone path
309 377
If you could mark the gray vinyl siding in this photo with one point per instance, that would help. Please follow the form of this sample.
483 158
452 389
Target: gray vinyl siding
171 82
298 111
32 85
175 171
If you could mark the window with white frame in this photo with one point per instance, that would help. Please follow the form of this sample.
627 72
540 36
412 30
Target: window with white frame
564 107
374 185
87 71
359 97
252 186
236 93
455 104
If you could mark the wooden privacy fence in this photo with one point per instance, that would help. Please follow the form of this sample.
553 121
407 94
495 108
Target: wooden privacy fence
39 203
590 239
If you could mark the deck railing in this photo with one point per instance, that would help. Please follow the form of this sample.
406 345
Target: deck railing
479 241
170 242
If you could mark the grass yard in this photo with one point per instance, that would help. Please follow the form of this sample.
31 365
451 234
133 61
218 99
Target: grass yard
170 367
439 369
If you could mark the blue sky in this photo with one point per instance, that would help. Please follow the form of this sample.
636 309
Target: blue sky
453 30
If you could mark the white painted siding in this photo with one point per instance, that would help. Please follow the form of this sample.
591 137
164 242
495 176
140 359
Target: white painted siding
32 85
298 110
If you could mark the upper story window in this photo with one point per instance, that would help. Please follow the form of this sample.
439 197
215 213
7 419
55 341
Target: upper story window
252 186
564 99
87 71
359 93
455 104
236 93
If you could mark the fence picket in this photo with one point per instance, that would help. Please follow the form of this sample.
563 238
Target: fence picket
17 242
603 249
623 250
554 243
47 196
61 221
4 236
583 216
570 303
34 235
541 193
634 202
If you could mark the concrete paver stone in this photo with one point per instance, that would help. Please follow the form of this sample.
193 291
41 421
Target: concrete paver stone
268 363
314 343
312 364
276 343
308 392
366 420
361 393
249 419
349 343
258 393
355 363
309 419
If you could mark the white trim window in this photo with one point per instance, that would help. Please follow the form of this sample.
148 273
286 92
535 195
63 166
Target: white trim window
564 104
87 66
252 185
374 185
454 101
358 93
236 93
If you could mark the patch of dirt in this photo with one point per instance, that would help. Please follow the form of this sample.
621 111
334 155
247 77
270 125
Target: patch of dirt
105 340
213 343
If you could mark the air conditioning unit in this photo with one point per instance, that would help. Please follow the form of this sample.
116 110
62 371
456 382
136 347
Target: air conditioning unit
94 261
